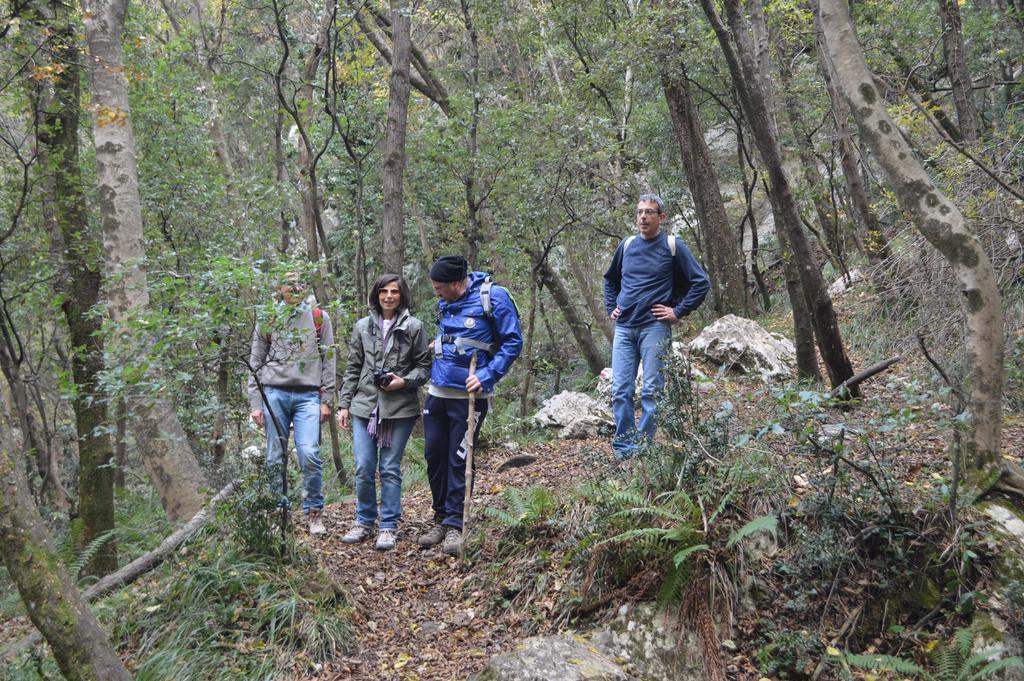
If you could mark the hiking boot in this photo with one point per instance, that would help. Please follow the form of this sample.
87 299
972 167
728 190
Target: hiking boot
452 542
432 537
385 539
316 522
356 534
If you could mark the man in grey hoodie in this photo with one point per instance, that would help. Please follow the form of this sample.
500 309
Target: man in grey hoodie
294 361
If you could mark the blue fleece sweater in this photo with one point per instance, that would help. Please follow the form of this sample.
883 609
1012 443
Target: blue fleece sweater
644 277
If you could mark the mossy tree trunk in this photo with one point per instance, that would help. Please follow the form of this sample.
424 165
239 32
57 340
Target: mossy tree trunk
54 605
723 253
75 249
393 228
941 223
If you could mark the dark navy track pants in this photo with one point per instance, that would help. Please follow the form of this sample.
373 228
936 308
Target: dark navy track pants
444 434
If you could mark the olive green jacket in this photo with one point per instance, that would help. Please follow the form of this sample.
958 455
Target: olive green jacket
404 352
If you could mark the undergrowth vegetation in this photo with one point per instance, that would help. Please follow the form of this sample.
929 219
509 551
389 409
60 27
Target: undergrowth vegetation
827 538
238 602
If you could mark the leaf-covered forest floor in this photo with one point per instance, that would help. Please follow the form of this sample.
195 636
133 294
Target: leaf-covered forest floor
844 572
420 614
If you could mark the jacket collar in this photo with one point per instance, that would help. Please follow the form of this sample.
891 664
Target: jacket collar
401 320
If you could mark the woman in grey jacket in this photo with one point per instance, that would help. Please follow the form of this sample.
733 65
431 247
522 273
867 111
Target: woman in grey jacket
388 361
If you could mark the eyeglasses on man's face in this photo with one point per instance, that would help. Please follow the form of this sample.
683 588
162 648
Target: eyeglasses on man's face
646 211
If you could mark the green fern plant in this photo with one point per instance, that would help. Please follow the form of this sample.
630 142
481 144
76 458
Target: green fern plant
89 551
524 510
680 541
952 661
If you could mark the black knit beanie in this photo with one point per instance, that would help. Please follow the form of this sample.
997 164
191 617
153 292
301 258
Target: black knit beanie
449 268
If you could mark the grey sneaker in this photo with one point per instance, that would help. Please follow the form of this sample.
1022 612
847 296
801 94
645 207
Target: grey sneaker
432 537
452 542
385 539
356 534
316 523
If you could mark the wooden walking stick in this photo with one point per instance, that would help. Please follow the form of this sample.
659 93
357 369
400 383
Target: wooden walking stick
470 442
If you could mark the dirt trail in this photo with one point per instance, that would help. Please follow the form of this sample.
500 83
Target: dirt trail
414 617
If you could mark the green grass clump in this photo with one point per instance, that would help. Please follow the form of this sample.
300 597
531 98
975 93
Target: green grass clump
223 615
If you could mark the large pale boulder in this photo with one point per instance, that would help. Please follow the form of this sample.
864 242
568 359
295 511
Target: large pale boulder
742 344
638 643
552 658
651 645
604 379
576 415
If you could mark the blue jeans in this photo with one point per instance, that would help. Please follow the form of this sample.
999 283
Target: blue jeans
369 459
631 346
298 410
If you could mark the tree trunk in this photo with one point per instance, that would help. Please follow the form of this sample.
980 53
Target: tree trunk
956 64
941 222
204 67
72 240
870 237
831 242
580 331
79 645
393 227
162 441
747 83
725 263
925 91
587 292
469 179
531 325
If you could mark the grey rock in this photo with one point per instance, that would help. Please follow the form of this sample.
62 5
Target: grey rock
650 645
742 344
844 283
552 658
576 415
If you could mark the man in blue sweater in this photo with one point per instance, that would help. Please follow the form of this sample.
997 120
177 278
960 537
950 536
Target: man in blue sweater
474 317
652 282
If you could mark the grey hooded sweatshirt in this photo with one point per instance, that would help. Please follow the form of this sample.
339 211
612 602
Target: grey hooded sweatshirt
289 356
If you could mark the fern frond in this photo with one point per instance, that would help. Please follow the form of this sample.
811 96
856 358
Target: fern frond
681 556
947 661
671 591
90 550
721 507
768 523
963 640
514 501
655 511
996 666
885 663
628 497
502 517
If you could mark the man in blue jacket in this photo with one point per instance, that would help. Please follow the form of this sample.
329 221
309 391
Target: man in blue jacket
652 282
475 317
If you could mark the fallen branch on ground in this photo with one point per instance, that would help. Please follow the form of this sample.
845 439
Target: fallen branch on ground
857 379
140 566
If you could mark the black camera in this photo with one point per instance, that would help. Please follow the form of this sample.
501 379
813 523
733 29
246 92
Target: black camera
382 377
